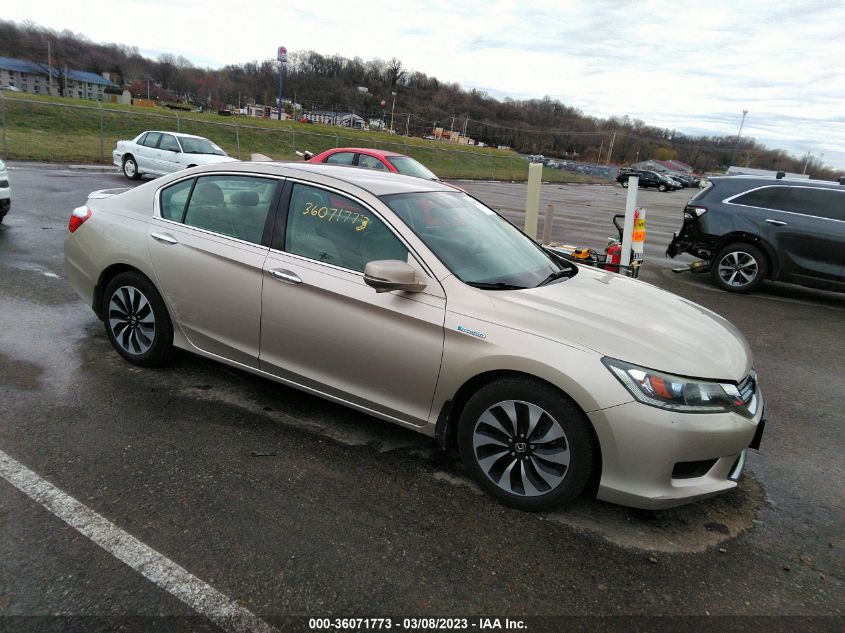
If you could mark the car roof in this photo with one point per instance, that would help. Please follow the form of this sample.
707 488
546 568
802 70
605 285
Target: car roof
768 180
378 183
363 150
179 134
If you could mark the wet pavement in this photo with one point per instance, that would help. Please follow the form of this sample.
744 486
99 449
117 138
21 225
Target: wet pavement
293 506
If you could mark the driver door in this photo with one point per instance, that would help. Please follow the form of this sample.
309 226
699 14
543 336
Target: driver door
323 328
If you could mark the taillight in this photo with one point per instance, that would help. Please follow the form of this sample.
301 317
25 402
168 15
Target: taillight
692 211
78 217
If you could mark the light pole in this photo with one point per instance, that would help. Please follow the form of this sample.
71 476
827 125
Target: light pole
739 134
392 108
282 56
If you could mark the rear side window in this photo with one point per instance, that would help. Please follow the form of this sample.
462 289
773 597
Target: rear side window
174 199
822 203
236 206
169 142
765 197
341 158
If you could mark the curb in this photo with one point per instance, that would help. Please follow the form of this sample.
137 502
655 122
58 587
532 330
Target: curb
94 169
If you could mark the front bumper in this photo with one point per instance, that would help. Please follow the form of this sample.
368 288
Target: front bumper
652 458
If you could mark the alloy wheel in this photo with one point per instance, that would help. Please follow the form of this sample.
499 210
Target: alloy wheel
521 448
738 269
131 320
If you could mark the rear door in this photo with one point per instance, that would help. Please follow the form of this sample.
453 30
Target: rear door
208 242
804 225
323 328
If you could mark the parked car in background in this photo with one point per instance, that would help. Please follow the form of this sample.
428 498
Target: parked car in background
5 191
378 159
648 179
751 229
414 302
157 153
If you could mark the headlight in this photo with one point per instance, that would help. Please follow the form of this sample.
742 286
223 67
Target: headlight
676 393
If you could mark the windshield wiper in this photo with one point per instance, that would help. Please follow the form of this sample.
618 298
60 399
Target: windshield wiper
558 274
483 285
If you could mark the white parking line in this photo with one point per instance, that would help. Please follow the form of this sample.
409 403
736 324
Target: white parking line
162 571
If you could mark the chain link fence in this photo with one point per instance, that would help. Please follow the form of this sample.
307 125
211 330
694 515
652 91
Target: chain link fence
87 132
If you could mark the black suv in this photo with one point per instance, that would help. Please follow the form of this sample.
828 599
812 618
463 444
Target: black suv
751 229
648 179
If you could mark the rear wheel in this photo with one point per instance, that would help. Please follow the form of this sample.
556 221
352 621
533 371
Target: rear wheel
526 444
130 168
739 267
136 320
625 184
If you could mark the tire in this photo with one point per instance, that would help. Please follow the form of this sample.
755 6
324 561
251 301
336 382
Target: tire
739 267
625 184
554 459
661 187
136 320
130 168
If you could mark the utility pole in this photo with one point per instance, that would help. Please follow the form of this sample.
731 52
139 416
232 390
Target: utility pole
601 149
451 127
739 134
610 149
807 160
392 109
466 121
49 71
408 125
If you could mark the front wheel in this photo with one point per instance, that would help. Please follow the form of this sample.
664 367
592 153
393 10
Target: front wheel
661 187
136 320
526 444
130 168
625 184
739 267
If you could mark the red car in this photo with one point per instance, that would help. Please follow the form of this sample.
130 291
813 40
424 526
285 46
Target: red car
375 159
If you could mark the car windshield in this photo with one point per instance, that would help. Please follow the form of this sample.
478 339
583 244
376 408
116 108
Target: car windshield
193 145
478 245
410 167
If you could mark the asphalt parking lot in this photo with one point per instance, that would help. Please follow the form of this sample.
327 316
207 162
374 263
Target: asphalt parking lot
288 505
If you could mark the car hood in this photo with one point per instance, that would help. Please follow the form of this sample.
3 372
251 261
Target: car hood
631 321
209 159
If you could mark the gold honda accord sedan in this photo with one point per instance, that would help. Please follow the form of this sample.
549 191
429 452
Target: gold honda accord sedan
414 302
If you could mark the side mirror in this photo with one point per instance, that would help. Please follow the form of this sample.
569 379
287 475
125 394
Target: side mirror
392 274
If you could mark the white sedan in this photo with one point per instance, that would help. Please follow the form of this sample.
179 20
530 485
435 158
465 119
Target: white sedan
158 153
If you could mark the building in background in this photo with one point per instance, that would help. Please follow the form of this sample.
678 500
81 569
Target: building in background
34 78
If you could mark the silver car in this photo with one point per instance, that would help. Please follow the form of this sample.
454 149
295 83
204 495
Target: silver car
414 302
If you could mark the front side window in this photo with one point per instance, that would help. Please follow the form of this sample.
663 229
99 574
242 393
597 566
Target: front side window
331 228
370 162
822 203
479 246
236 206
169 143
340 158
151 139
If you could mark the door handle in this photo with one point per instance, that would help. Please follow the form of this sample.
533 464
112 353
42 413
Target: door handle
165 239
776 222
285 275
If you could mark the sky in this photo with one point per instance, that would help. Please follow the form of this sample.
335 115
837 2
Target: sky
689 66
